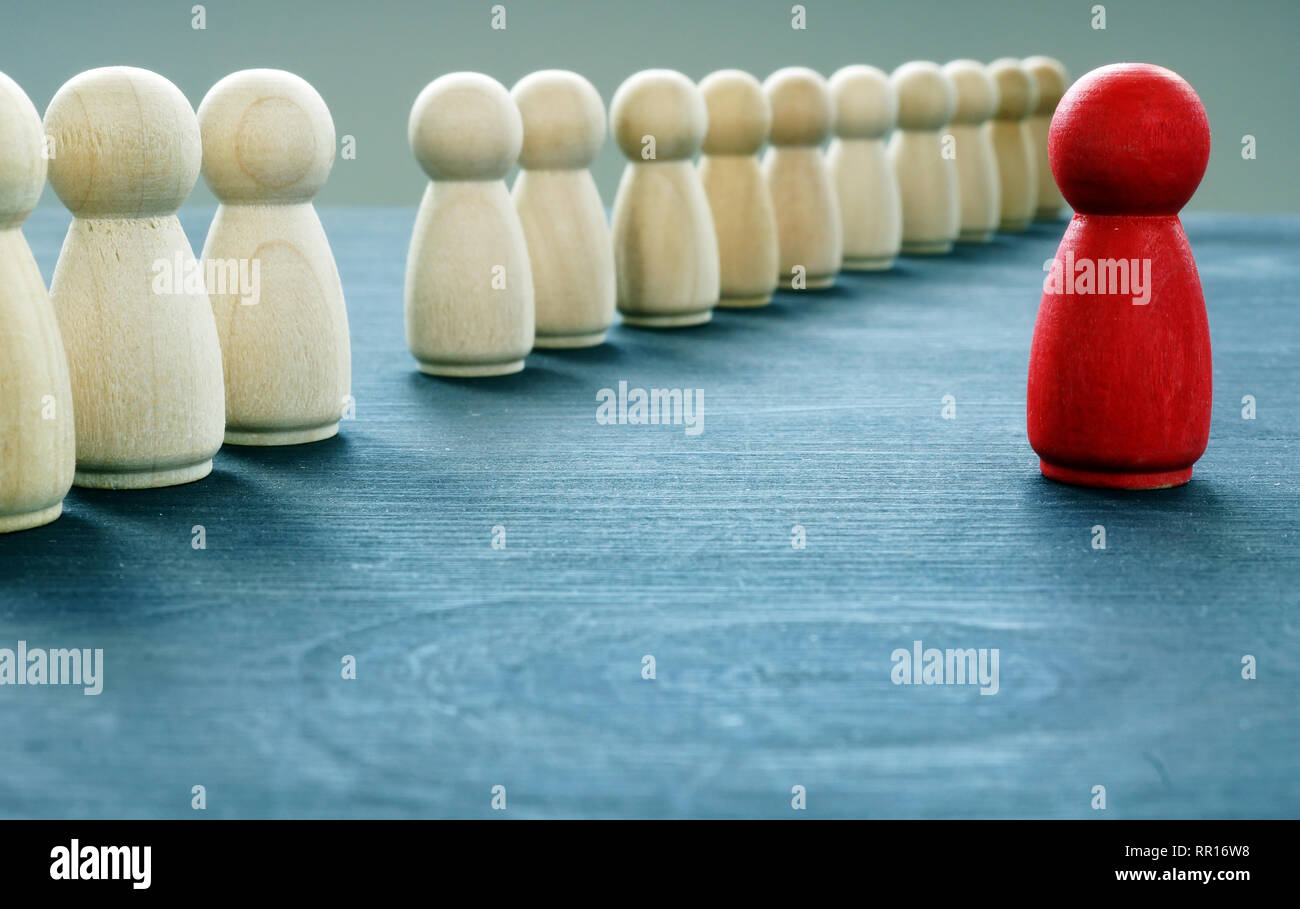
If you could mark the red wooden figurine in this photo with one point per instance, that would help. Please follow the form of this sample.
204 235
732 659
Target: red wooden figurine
1119 370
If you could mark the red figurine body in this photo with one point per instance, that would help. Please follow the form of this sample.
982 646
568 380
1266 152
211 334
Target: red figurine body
1119 371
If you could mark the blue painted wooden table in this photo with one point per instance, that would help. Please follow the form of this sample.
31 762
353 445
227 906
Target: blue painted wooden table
522 666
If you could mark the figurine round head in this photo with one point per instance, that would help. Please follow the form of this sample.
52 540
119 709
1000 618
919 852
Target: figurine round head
267 137
739 116
1017 90
465 126
1052 79
976 92
661 104
1130 138
563 117
865 105
803 111
125 144
926 97
22 154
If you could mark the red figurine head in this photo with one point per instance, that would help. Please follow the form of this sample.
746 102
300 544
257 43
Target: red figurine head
1130 138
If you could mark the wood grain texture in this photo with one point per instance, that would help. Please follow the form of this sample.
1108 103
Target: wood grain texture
744 221
1052 80
522 666
1120 385
810 237
866 187
1013 143
143 352
665 246
268 146
570 247
978 185
469 285
37 436
927 180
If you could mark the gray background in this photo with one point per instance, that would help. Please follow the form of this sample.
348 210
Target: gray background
370 59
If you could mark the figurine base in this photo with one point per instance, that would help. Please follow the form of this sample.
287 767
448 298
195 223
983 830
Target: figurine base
818 282
744 302
1158 480
11 523
563 342
868 263
926 247
281 437
471 370
668 320
141 479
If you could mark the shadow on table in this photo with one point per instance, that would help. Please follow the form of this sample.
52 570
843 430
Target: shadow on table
534 380
842 289
134 546
1187 521
327 453
602 354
